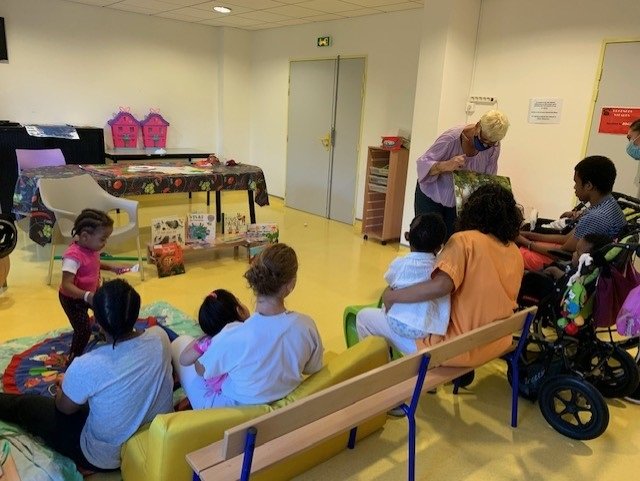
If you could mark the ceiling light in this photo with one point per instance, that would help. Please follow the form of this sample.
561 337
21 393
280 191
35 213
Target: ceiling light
221 9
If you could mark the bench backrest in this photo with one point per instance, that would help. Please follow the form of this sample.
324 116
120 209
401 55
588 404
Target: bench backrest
319 405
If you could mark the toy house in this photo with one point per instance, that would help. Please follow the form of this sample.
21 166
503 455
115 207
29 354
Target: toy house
154 130
124 129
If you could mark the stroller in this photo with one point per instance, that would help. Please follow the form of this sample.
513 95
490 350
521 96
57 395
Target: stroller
569 370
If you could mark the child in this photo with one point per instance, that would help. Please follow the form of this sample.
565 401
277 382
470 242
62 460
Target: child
536 286
219 310
266 356
406 322
81 273
106 394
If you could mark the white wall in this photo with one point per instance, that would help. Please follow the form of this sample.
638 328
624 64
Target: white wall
234 73
390 43
76 64
447 48
547 49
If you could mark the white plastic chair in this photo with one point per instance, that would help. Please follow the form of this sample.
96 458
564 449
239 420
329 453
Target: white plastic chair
32 158
67 197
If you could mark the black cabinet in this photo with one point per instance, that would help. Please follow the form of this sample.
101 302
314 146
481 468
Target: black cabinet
89 149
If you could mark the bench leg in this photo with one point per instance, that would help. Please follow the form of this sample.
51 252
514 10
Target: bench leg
410 411
352 438
249 447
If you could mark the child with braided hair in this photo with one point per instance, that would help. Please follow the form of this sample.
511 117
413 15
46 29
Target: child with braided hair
81 267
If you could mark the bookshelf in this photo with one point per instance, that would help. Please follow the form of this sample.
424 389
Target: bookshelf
384 194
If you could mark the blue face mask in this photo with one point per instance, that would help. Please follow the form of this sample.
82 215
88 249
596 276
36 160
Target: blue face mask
479 146
633 150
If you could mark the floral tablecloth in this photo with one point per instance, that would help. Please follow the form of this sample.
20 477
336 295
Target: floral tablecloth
118 181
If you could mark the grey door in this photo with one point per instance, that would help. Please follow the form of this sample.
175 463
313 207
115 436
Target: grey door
617 89
325 105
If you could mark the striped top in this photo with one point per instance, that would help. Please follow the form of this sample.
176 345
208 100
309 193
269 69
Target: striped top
604 218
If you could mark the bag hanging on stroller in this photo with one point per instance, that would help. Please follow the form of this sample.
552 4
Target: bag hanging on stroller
628 321
611 291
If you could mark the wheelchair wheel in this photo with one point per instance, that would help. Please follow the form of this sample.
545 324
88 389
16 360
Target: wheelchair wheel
573 407
614 373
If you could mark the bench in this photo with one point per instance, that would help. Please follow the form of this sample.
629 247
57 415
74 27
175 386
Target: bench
265 440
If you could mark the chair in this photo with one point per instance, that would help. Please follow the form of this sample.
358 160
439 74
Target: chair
32 158
66 197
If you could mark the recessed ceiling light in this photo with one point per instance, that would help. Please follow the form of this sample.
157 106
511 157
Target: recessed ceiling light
221 9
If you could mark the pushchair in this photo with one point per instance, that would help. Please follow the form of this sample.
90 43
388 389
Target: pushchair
570 370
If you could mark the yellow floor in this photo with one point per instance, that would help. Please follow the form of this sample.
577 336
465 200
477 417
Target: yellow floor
464 437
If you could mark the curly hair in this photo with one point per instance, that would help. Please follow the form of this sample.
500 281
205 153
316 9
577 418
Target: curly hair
90 220
217 310
427 232
491 209
272 269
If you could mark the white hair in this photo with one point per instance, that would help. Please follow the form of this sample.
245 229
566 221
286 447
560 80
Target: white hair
494 125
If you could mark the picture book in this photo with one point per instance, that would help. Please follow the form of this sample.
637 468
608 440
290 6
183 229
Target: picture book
169 259
465 182
260 233
235 227
168 229
201 229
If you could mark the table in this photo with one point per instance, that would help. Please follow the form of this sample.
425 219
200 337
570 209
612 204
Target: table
145 154
117 181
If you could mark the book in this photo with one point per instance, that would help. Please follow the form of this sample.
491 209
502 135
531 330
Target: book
169 259
465 182
259 236
201 229
168 229
266 232
235 227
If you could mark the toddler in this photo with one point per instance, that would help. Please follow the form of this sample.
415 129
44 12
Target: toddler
405 322
81 273
219 310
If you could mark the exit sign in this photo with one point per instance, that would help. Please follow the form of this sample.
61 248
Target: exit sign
324 41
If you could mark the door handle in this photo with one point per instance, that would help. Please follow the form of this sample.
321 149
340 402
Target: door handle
326 141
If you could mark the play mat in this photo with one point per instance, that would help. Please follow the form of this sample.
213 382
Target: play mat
34 461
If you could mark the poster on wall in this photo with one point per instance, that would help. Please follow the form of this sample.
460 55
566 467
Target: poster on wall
545 110
616 120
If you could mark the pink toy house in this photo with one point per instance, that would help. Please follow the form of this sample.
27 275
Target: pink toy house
154 130
124 129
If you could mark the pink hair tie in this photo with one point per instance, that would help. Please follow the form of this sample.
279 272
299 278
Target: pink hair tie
213 295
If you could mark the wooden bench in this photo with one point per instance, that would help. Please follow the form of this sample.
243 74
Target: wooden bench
275 436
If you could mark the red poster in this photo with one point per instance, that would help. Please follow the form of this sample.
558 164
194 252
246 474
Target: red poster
616 120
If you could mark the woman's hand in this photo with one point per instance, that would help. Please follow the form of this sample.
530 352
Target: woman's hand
387 298
454 163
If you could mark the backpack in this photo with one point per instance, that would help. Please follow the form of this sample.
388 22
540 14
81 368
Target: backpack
628 320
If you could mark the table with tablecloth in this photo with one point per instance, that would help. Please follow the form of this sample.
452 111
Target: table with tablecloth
120 181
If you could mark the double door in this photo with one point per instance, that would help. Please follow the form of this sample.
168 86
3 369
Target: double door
325 111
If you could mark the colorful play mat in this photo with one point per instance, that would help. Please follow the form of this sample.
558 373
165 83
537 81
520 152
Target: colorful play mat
36 370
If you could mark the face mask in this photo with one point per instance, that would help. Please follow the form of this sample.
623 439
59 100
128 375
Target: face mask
479 146
633 151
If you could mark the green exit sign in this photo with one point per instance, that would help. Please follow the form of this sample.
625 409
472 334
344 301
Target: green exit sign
324 41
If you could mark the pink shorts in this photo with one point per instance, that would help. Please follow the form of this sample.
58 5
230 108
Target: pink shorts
534 261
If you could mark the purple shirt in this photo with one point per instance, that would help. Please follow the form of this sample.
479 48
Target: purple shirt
440 187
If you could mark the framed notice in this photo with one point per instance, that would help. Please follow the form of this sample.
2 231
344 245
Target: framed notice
616 120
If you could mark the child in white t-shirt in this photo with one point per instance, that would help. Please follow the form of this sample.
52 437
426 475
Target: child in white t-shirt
405 322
